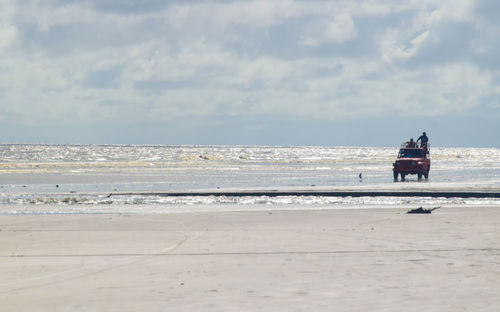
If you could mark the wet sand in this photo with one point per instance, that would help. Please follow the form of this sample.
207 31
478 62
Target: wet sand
324 260
421 189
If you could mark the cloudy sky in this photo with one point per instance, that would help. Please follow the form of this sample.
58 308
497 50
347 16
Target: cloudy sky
274 72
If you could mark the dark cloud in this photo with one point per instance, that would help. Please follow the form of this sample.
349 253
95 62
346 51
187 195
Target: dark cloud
487 10
449 43
123 6
80 36
103 79
159 86
285 40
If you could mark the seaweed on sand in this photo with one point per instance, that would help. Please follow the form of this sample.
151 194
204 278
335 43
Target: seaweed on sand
422 210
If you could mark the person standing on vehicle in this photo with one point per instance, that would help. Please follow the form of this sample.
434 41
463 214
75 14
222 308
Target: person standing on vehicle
423 139
423 142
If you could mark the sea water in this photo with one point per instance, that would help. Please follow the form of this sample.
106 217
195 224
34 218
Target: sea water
79 178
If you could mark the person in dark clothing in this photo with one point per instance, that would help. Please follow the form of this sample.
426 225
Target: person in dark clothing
423 140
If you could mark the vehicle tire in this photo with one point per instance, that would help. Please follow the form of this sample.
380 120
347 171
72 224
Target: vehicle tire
395 176
426 174
402 176
419 176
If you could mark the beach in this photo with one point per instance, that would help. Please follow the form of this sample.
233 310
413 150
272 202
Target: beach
378 259
223 228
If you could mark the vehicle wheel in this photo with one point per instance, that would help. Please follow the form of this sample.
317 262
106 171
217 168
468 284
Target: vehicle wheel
395 176
426 174
403 177
419 176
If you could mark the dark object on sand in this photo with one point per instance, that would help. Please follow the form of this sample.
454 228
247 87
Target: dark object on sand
422 210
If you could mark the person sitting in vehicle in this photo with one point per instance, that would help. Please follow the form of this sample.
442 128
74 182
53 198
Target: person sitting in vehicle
423 140
411 143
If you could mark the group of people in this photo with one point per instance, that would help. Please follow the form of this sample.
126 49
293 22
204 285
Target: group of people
423 139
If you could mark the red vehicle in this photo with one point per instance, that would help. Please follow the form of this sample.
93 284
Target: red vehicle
412 159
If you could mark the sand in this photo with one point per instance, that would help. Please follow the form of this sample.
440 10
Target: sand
324 260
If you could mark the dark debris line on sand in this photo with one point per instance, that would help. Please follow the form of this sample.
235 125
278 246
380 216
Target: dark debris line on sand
275 193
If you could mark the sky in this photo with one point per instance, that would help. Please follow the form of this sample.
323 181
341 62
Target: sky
275 72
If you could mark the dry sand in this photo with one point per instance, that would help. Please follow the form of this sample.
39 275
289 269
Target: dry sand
329 260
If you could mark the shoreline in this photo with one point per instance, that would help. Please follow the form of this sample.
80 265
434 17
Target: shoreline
333 193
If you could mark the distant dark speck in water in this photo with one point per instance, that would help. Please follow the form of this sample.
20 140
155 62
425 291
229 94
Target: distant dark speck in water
57 185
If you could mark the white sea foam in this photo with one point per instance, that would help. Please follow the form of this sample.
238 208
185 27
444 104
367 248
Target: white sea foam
157 204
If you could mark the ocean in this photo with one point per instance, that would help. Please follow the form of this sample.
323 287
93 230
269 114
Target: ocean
79 178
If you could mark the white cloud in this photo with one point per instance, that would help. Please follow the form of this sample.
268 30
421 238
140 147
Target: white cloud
8 35
178 61
452 10
394 48
8 30
341 29
338 30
